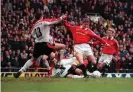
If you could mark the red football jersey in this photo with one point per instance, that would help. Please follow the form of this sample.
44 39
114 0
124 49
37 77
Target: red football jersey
81 35
113 47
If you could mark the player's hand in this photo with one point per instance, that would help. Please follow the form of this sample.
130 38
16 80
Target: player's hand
64 17
91 43
107 44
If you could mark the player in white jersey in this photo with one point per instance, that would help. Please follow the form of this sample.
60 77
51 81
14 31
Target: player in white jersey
41 34
71 69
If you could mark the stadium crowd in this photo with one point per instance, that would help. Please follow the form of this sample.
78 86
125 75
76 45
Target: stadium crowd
17 19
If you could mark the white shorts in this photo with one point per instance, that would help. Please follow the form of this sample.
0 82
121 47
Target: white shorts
83 49
106 58
69 61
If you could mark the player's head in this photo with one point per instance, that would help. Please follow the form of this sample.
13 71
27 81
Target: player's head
38 15
86 23
110 32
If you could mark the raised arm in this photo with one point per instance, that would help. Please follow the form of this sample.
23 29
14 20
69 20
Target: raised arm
93 35
66 24
53 20
95 43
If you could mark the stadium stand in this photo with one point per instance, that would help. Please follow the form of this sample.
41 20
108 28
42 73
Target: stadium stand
17 19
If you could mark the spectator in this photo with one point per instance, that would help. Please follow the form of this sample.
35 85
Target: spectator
8 6
9 67
24 55
3 62
45 8
27 4
15 62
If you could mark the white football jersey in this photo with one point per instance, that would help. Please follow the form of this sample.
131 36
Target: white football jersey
61 72
69 61
67 64
41 29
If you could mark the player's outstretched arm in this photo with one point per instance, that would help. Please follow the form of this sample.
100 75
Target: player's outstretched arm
94 43
93 35
54 20
67 25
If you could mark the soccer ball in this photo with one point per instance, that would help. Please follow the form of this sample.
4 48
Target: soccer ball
96 74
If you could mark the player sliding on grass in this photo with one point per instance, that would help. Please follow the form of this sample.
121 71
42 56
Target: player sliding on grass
107 51
81 36
43 45
71 68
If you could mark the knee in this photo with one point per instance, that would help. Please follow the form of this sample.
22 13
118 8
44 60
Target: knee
63 46
44 57
52 55
92 59
77 54
100 65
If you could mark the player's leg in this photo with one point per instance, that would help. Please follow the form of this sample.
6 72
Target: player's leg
36 53
34 59
79 57
76 72
74 76
92 59
90 56
61 48
101 64
69 61
79 53
104 60
24 68
69 76
93 63
27 64
45 61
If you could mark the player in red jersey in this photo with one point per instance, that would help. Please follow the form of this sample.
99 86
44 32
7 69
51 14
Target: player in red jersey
108 51
81 36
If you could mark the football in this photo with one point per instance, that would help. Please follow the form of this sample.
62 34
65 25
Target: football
96 74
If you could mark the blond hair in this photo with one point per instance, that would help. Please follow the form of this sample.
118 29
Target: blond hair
112 30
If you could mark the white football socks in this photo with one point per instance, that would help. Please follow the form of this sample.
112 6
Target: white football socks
26 65
46 63
77 76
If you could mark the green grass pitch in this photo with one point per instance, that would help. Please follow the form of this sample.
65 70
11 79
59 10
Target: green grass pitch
67 85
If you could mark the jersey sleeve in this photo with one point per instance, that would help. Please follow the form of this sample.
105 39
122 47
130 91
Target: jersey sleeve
33 34
98 42
116 47
67 25
52 21
93 35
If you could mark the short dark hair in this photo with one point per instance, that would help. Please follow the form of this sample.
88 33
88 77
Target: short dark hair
38 15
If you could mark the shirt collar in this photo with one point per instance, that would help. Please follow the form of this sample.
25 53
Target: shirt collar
84 28
111 38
